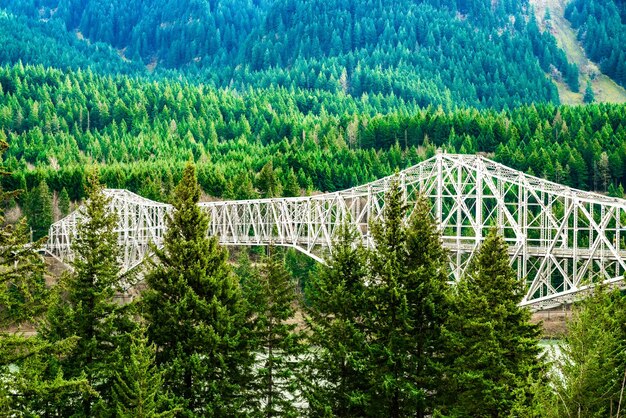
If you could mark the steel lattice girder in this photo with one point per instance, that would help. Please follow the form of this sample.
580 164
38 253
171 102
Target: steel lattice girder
561 240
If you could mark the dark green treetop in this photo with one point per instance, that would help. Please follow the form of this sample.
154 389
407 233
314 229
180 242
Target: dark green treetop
491 344
195 312
337 305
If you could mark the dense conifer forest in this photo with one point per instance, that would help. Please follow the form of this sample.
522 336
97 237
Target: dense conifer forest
141 134
417 51
183 101
601 28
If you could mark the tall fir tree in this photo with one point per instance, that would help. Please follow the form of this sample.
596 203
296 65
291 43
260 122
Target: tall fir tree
492 347
428 298
83 304
29 372
267 181
64 202
337 377
23 291
138 388
33 381
273 298
39 210
195 312
589 96
408 296
388 323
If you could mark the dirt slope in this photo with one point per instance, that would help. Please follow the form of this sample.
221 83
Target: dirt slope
605 89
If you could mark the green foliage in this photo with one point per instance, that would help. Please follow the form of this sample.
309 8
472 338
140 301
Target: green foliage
407 293
267 182
23 292
337 306
39 210
601 29
589 96
589 374
33 383
418 51
83 304
491 345
64 202
137 131
138 388
195 312
277 344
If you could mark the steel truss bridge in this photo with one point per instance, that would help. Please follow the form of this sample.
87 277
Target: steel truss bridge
561 240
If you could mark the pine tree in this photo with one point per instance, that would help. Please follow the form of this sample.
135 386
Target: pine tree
428 301
337 305
195 312
83 304
292 188
64 202
39 210
138 389
407 293
33 382
29 370
491 345
23 292
589 96
272 294
268 182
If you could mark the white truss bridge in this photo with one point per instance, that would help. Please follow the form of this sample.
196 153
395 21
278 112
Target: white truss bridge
561 240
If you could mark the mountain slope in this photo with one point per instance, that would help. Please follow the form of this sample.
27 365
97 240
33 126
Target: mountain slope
605 89
448 53
601 29
49 44
484 56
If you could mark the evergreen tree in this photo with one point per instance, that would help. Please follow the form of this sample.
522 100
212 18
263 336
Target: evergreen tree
244 189
337 305
428 300
138 389
589 96
268 182
389 323
589 373
64 202
272 294
195 312
407 293
491 345
83 304
33 382
39 210
23 292
29 372
292 188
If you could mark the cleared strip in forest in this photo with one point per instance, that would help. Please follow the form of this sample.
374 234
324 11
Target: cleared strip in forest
604 88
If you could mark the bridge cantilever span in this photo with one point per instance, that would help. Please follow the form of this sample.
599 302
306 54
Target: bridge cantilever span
561 240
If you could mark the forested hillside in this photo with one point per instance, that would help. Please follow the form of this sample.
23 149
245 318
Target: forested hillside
275 141
602 30
190 100
49 44
440 52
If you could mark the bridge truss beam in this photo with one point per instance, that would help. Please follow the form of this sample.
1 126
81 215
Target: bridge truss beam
561 240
